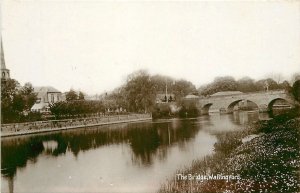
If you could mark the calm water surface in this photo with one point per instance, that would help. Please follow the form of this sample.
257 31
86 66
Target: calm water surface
134 157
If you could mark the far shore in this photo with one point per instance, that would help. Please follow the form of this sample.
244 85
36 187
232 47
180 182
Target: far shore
16 129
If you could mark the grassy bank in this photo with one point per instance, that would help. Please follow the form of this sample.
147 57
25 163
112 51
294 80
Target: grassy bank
270 162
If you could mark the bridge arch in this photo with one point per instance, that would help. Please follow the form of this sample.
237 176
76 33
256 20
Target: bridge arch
280 103
231 106
205 109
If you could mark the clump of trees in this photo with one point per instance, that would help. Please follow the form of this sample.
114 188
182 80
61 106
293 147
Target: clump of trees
189 110
76 108
139 92
246 84
296 90
72 95
161 112
16 102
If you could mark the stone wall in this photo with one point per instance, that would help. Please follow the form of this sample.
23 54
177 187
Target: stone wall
56 124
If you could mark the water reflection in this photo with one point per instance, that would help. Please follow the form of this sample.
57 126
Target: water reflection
243 117
144 140
160 146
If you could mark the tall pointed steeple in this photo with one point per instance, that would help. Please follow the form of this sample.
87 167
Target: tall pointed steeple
2 57
4 70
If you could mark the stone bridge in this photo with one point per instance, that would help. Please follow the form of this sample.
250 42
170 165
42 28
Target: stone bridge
263 100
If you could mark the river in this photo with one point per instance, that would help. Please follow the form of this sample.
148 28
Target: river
131 157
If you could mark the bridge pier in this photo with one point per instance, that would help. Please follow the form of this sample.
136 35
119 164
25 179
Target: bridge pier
204 112
228 111
205 109
263 108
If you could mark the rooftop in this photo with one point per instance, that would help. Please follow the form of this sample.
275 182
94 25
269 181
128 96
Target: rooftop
191 96
45 89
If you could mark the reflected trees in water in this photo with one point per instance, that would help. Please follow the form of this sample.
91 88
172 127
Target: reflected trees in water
145 140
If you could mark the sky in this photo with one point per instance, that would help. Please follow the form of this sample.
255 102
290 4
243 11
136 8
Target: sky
92 46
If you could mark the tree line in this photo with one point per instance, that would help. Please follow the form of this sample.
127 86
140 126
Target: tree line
137 94
246 84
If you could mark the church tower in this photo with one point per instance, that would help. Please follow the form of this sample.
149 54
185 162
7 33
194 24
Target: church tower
4 70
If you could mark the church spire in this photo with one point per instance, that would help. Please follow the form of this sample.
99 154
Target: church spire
4 70
2 57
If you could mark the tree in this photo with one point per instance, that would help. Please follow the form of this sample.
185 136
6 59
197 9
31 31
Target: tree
8 99
8 95
8 88
160 82
81 96
295 77
56 108
296 90
246 84
71 95
225 83
286 86
116 99
29 97
139 92
182 88
272 84
179 88
15 100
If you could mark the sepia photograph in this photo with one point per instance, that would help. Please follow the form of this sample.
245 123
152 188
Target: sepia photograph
117 96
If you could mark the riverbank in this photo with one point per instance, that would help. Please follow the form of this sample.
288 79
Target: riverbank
264 157
57 125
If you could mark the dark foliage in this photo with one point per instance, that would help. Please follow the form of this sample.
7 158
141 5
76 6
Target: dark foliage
296 90
16 101
74 108
246 84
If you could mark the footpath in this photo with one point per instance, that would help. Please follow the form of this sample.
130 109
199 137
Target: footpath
15 129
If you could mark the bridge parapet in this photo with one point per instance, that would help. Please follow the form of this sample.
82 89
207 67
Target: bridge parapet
275 92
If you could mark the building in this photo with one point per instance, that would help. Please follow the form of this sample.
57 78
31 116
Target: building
4 71
46 95
191 100
191 97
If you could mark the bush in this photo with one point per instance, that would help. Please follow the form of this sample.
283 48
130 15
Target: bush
190 111
31 116
75 108
162 111
275 123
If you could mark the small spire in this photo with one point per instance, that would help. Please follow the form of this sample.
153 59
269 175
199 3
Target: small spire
2 57
4 71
